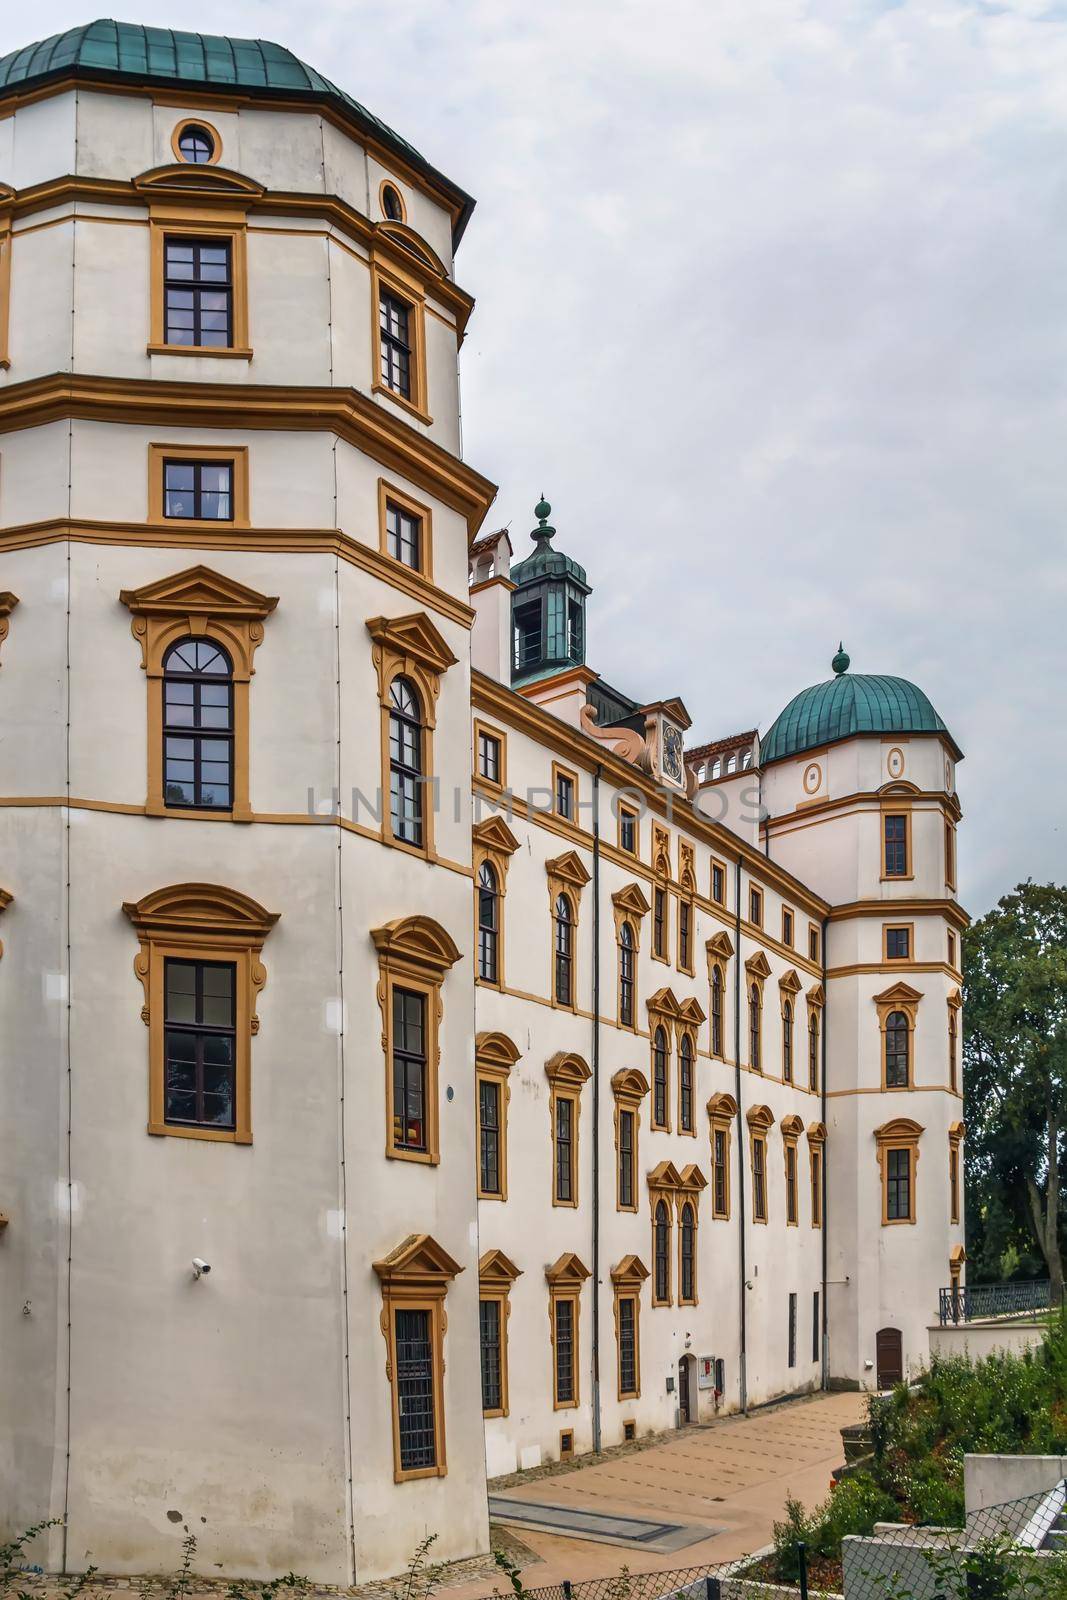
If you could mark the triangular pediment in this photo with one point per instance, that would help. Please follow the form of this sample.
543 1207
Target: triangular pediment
493 833
722 1105
566 1067
629 1084
790 981
691 1011
758 966
418 940
761 1117
203 908
692 1179
631 1269
567 1268
186 179
663 1003
413 636
955 998
417 1259
631 900
720 946
570 868
664 1176
198 591
496 1267
792 1126
495 1050
899 994
957 1255
816 995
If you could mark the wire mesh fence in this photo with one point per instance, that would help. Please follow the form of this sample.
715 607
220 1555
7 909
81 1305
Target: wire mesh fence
686 1583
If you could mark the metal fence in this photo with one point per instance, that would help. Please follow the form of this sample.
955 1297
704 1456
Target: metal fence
687 1583
959 1304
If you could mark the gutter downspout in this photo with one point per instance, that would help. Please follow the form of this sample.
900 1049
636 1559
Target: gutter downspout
743 1355
596 1109
825 1217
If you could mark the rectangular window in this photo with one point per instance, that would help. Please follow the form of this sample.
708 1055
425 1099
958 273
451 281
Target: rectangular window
409 1070
492 1379
813 943
575 630
721 1193
954 1183
950 855
895 826
200 1038
816 1330
564 1140
198 491
627 1347
394 331
626 1160
952 949
755 907
403 535
628 831
563 1325
816 1187
564 790
659 923
197 293
792 1330
759 1178
898 1186
898 944
490 766
787 926
489 1179
791 1183
526 642
414 1391
684 936
718 883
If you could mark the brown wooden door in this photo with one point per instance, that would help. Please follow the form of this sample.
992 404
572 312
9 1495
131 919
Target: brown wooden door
889 1357
683 1389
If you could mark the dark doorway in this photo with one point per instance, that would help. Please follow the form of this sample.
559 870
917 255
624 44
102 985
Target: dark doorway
683 1390
889 1353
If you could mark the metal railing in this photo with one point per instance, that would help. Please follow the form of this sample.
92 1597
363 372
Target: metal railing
978 1300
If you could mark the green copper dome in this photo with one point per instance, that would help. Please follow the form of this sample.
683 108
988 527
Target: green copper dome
113 51
546 562
848 704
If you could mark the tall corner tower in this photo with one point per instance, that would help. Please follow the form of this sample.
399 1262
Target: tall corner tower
239 1277
859 789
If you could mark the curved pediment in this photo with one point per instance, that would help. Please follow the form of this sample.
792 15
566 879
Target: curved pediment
186 178
566 1067
417 1260
200 908
493 833
792 1127
567 1268
760 1118
496 1267
630 1270
817 1132
418 940
495 1050
629 1083
413 243
722 1105
901 1128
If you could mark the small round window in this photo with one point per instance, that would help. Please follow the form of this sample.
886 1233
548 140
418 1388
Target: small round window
392 204
196 144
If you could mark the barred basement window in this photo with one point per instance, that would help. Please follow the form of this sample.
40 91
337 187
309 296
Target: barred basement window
409 1070
394 332
659 1079
198 491
198 726
415 1397
792 1330
488 923
564 1150
198 293
405 762
626 976
685 1084
897 1041
627 1346
200 1037
492 1386
403 535
564 1330
489 1136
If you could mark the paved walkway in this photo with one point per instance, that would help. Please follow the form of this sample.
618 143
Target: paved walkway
731 1477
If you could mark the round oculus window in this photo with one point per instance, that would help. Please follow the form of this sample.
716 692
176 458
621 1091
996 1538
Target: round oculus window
196 144
812 777
895 762
392 204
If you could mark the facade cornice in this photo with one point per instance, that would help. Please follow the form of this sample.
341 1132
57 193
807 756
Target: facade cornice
949 909
809 811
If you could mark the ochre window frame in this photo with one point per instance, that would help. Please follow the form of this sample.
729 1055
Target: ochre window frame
168 220
757 971
498 785
561 771
567 1073
902 1133
760 1121
954 1005
691 1181
789 927
956 1135
410 647
791 1128
661 874
566 875
663 1010
207 606
496 1274
493 842
629 1087
409 292
627 1280
494 1056
898 927
817 1174
756 899
722 1113
417 508
789 987
816 1001
8 602
236 454
895 808
662 1194
629 907
7 196
903 998
623 809
686 1029
719 950
715 899
950 854
565 1278
687 899
200 922
415 1277
414 953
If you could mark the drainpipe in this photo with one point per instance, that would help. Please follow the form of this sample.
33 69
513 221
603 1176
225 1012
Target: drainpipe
596 1108
743 1359
825 1217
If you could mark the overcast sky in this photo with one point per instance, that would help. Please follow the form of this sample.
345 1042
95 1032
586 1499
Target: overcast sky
772 305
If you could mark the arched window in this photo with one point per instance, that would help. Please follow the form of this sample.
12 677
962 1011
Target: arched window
755 1059
661 1253
564 951
405 762
897 1042
195 144
685 1083
746 760
488 923
787 1041
688 1285
198 726
659 1079
626 976
716 1011
716 768
813 1051
392 204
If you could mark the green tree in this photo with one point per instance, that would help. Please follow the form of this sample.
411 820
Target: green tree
1015 1056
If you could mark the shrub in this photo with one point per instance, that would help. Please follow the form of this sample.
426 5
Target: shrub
854 1506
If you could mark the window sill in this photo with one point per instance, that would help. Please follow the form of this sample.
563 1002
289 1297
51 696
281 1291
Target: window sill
231 352
422 1158
398 400
213 1135
399 1476
226 523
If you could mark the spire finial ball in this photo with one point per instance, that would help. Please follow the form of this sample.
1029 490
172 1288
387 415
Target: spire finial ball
841 661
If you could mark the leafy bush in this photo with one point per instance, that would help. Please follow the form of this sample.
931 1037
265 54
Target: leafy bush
854 1506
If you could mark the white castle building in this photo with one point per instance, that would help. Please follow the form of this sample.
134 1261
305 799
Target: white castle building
614 1081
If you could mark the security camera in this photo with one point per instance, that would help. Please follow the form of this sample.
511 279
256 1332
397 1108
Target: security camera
200 1267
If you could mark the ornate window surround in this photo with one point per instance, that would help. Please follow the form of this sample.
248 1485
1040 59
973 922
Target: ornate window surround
691 1183
8 602
200 922
494 1056
663 1012
791 1128
496 1274
566 1073
722 1112
410 647
816 999
629 1087
236 454
415 1277
392 280
956 1134
663 1182
494 842
414 953
817 1158
903 998
757 971
568 875
565 1278
627 1280
902 1133
176 197
789 987
629 905
719 950
198 604
760 1121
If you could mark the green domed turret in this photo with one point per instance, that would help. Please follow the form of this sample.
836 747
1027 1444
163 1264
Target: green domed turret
547 607
847 704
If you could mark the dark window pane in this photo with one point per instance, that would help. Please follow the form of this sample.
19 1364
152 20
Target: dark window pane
415 1391
198 293
489 1323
